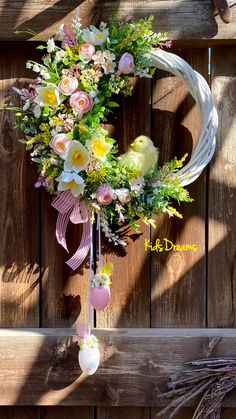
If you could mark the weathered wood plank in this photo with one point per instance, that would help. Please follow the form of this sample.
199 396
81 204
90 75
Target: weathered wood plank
134 366
222 203
179 277
19 229
20 412
182 19
64 412
19 221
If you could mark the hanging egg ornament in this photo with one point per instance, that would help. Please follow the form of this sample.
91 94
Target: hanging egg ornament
100 297
100 292
89 355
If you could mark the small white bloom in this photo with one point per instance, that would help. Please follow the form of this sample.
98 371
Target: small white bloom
28 65
94 36
93 93
50 45
109 67
37 111
36 68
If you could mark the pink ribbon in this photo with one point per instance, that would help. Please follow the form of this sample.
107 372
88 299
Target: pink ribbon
71 209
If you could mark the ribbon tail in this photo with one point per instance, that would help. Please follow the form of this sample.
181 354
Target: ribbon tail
61 227
79 256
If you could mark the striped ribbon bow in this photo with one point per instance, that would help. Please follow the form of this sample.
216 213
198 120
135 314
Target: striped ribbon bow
70 208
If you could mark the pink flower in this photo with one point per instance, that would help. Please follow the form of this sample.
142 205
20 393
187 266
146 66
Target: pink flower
68 124
82 331
81 101
60 144
87 50
126 63
123 195
68 85
105 194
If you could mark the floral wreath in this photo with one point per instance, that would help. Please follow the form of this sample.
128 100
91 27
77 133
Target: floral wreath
61 116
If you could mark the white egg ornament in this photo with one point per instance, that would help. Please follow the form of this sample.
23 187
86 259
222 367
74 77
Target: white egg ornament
89 355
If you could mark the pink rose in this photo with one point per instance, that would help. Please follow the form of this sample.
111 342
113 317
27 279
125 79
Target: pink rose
68 85
87 50
126 63
105 194
60 144
123 195
81 101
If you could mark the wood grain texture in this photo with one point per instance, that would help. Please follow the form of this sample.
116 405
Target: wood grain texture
19 221
63 412
222 203
179 277
183 20
19 227
135 364
20 412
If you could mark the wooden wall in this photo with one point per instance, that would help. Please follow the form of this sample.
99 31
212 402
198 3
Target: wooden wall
168 289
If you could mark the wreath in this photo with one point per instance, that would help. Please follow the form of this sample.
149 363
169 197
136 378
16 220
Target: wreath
61 116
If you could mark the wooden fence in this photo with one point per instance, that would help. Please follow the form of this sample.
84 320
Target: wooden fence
166 307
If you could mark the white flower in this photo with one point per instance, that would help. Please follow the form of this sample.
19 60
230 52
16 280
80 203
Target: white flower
137 184
77 157
94 36
106 60
50 45
59 55
93 93
36 68
109 67
48 95
72 181
28 65
44 74
37 111
123 195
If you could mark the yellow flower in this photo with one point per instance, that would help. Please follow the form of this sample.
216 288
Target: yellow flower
83 129
99 147
77 157
108 268
48 95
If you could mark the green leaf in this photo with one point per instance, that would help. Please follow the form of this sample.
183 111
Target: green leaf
41 47
113 104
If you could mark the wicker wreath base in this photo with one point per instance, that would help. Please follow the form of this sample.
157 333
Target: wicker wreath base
201 93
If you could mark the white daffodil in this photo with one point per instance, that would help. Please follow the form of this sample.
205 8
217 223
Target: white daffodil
77 157
48 95
72 181
94 36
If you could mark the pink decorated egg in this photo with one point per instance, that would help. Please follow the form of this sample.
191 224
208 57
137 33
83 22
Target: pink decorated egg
100 296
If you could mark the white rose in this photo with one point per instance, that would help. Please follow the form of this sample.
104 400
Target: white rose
123 195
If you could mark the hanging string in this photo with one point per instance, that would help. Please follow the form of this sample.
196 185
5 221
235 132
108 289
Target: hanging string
99 245
90 275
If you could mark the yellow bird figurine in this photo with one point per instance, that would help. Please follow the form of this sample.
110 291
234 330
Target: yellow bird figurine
142 153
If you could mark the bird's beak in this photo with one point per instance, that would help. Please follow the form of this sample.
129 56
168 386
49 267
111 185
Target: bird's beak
131 145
